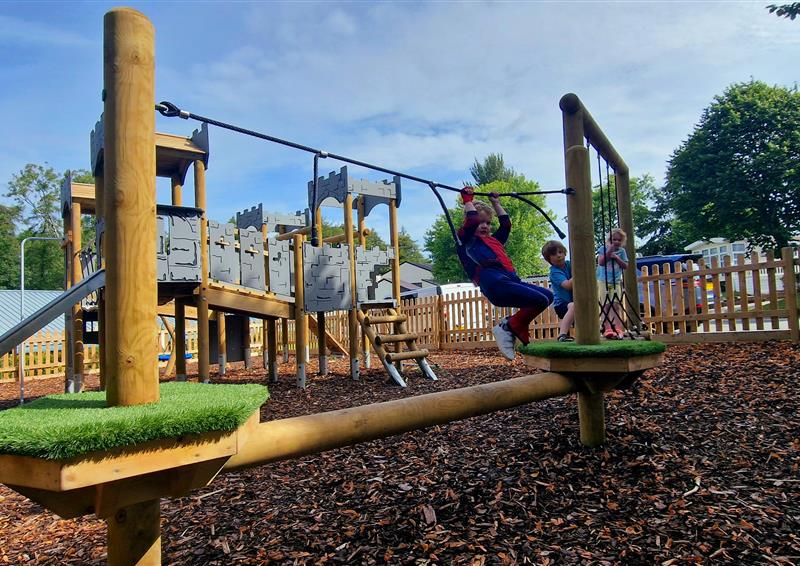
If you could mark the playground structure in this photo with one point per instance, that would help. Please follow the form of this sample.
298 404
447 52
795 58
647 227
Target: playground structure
124 486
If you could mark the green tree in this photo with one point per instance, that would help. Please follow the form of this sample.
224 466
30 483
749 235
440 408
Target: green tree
409 250
9 247
643 192
738 174
528 233
492 169
36 193
790 11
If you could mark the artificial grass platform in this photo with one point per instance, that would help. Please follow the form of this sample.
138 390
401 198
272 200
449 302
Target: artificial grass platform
610 349
64 426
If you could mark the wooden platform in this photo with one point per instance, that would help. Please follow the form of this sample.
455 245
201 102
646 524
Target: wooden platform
594 365
248 302
102 482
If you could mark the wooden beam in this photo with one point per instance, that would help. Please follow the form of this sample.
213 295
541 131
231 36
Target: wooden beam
228 300
203 338
299 436
300 326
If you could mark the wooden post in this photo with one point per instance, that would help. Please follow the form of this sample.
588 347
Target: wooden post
395 243
322 345
130 172
248 361
790 292
352 316
581 243
270 334
99 211
203 342
177 190
134 535
300 324
581 240
69 327
131 288
75 379
222 344
284 322
180 340
591 415
362 241
625 210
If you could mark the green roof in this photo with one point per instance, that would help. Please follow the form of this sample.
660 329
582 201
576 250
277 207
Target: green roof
68 425
608 349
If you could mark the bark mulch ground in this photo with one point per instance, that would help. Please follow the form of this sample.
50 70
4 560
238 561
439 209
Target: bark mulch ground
701 467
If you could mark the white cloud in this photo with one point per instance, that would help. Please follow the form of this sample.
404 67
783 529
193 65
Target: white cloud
18 30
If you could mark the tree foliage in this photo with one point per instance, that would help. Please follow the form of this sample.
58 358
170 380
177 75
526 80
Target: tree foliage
790 11
604 206
737 176
528 233
492 169
409 249
36 195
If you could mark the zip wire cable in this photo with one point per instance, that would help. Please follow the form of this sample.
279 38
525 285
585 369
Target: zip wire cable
170 110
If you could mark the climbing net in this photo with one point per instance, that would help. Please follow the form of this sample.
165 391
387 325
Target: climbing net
616 308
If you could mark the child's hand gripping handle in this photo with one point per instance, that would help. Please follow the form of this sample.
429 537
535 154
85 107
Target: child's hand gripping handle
467 194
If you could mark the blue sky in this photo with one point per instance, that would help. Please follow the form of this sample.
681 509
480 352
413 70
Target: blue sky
420 87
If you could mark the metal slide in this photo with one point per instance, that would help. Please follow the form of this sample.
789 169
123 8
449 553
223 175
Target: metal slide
48 313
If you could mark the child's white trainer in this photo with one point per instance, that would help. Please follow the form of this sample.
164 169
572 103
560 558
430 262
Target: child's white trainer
505 339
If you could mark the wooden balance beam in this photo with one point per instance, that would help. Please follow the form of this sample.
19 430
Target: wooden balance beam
299 436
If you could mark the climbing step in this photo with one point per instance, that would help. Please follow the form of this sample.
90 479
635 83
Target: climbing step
392 357
383 319
389 338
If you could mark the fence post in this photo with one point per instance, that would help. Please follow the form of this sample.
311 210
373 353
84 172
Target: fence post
790 292
440 321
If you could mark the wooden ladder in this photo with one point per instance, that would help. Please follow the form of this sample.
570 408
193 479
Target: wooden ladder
399 336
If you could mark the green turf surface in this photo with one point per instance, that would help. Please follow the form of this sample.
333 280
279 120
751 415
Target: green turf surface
63 426
609 349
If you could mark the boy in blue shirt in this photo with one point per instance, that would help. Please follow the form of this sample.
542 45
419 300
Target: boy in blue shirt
555 254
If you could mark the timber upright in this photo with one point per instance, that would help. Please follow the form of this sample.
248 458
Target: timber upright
134 532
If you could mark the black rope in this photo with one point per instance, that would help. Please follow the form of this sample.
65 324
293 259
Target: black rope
170 110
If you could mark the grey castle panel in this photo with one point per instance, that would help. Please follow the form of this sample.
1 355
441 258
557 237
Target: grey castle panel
367 264
281 262
184 246
222 258
162 236
326 272
256 217
375 193
96 140
251 256
336 186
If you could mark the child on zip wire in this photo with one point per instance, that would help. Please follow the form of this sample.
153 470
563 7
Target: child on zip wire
485 260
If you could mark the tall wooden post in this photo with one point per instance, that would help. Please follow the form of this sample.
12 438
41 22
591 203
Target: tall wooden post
300 323
284 323
395 243
180 340
790 292
222 343
248 361
270 334
180 306
76 274
352 316
203 342
362 241
130 173
322 345
131 294
581 244
99 211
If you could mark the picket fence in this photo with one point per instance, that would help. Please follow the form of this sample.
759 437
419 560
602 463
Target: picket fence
748 299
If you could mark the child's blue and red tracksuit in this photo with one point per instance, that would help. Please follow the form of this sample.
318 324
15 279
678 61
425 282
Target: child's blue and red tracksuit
485 260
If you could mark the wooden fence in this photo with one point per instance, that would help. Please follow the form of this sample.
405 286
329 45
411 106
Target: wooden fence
749 299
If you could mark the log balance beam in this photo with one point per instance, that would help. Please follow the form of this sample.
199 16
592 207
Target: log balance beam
285 439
